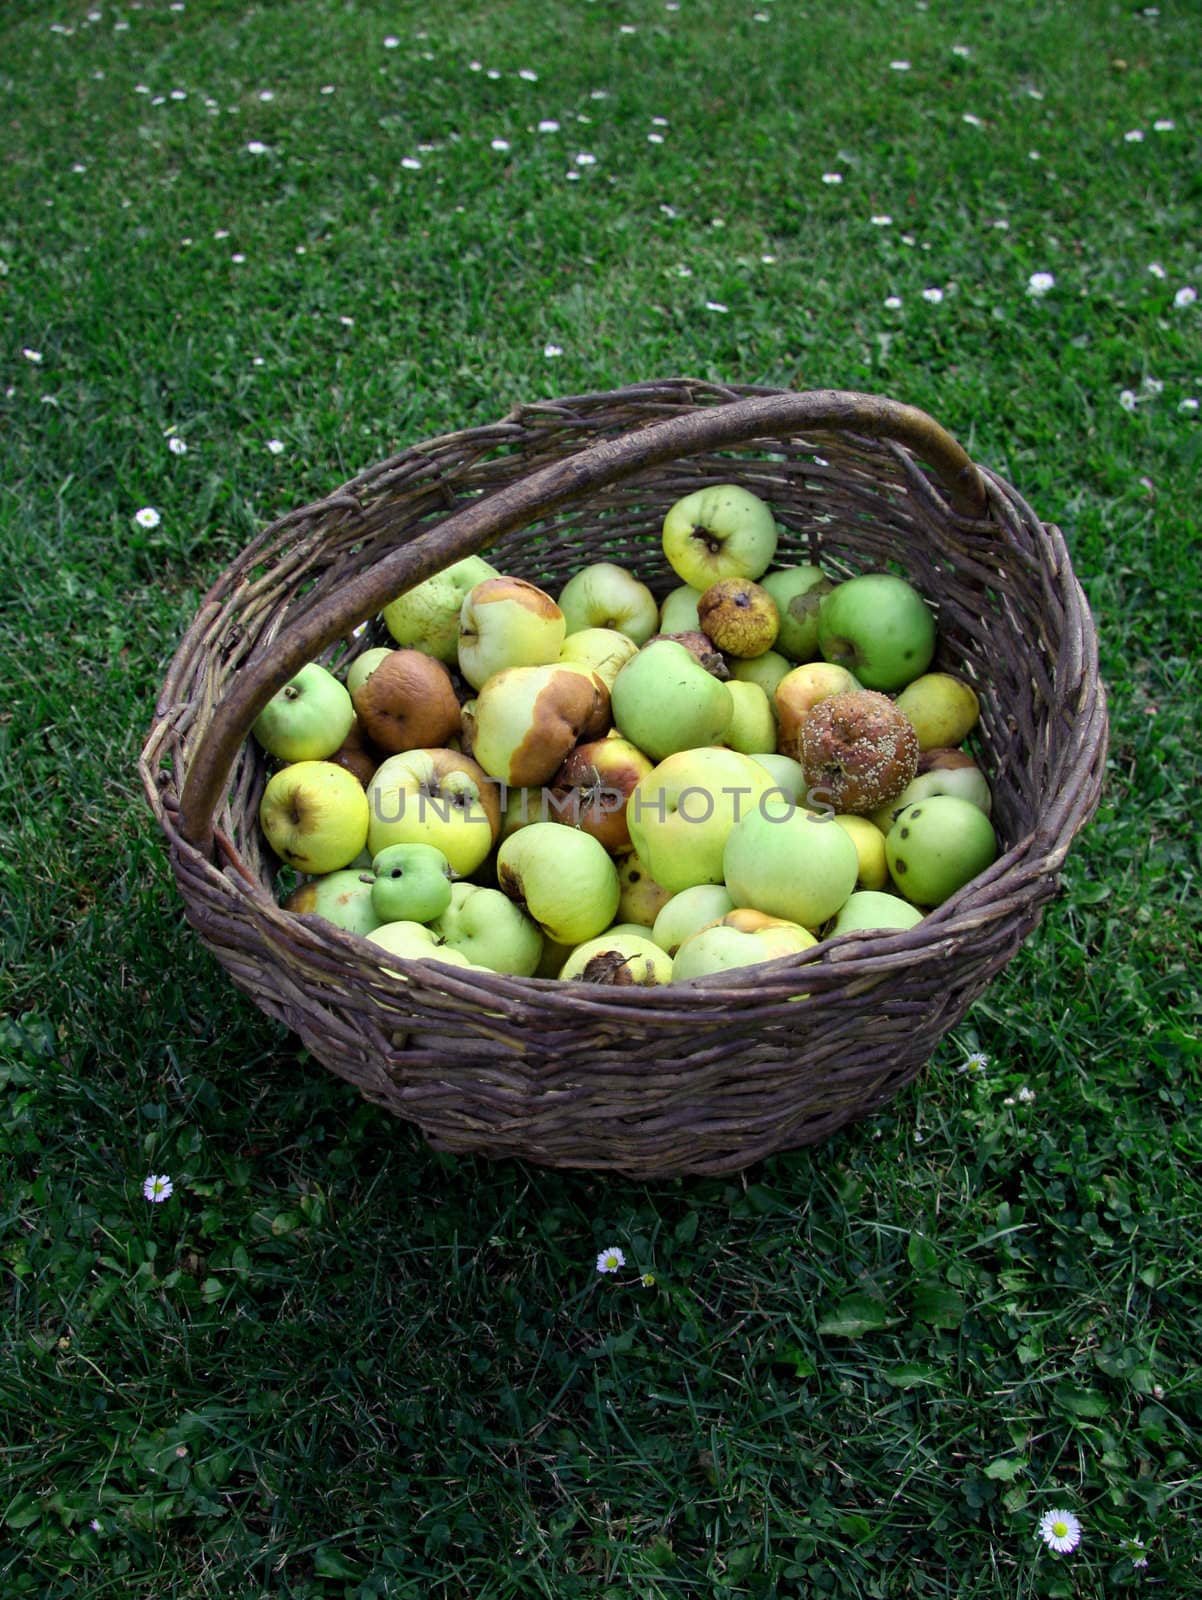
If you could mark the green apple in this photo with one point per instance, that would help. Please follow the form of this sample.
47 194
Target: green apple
620 959
871 909
798 592
789 775
943 709
640 893
936 846
528 718
437 797
688 912
563 878
953 772
722 531
665 701
605 595
680 814
507 622
604 651
880 628
678 614
753 725
362 667
490 930
308 718
412 883
766 670
314 816
789 863
342 897
722 947
414 941
427 616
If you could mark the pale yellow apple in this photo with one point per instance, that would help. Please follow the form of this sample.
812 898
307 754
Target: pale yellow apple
604 651
799 691
437 797
314 815
870 848
943 709
753 725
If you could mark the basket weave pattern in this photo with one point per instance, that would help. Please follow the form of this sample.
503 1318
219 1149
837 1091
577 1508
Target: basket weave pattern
649 1082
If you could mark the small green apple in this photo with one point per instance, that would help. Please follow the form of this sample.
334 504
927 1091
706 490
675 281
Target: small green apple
936 846
678 614
563 878
766 670
789 863
427 616
314 816
789 775
507 622
620 959
871 909
605 595
665 701
798 592
342 897
362 667
487 927
880 628
753 725
414 941
412 883
722 531
308 718
722 947
688 912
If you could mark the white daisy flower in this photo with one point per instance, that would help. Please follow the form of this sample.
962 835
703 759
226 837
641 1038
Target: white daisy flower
32 355
1186 296
157 1187
411 164
1188 406
1164 125
934 296
900 66
610 1259
892 303
266 94
832 177
1155 268
1127 400
177 446
1039 283
584 159
391 41
975 1064
1025 1095
528 75
147 517
1060 1531
499 144
972 120
716 305
275 447
552 350
256 147
548 125
1134 136
960 50
882 219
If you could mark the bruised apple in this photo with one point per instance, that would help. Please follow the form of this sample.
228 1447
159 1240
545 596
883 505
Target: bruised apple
528 718
408 702
858 750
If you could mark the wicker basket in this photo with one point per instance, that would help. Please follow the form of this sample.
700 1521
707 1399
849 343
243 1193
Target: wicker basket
647 1082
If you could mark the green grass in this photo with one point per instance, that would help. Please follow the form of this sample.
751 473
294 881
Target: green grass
334 1364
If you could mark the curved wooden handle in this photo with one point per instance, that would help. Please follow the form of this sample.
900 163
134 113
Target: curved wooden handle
481 523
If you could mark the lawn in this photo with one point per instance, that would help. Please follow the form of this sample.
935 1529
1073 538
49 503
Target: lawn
246 250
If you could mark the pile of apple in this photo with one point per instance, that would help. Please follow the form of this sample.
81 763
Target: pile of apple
596 787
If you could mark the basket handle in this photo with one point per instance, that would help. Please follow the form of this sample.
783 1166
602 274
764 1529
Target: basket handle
479 524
